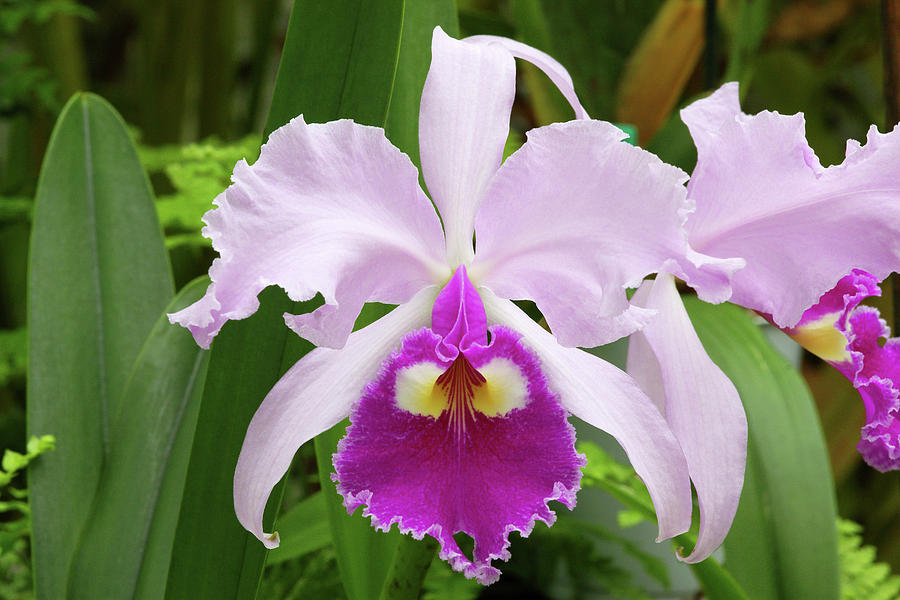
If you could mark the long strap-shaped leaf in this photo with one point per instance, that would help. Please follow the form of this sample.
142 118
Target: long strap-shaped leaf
338 61
784 540
140 488
98 280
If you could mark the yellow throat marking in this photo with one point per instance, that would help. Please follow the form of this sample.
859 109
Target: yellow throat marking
823 339
493 390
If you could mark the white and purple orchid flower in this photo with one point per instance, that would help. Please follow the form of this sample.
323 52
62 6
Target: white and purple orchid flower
457 399
816 242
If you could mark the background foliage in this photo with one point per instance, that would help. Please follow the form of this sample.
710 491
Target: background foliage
196 84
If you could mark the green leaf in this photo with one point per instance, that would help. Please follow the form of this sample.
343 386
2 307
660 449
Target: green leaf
746 22
13 354
621 482
338 61
409 568
364 555
143 479
443 583
98 280
783 542
246 359
13 461
592 39
15 208
862 578
548 104
419 21
39 444
303 529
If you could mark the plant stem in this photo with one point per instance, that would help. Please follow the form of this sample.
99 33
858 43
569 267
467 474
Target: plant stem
404 580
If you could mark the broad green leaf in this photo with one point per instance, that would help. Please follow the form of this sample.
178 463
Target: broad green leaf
303 529
98 280
212 555
783 543
443 583
419 21
140 488
364 555
338 61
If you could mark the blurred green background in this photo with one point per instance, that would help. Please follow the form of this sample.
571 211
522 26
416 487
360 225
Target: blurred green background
194 81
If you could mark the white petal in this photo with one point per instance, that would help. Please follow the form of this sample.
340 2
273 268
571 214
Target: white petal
575 217
331 208
314 395
763 196
700 403
602 395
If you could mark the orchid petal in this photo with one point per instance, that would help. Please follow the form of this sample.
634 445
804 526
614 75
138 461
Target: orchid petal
578 213
546 63
762 195
314 395
463 126
701 405
602 395
330 208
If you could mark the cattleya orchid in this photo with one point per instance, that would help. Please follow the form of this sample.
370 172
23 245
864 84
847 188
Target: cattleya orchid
816 242
457 399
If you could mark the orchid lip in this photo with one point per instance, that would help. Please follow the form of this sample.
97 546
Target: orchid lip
465 425
459 383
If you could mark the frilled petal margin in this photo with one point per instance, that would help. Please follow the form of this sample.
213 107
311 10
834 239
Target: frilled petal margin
579 213
463 126
605 397
848 336
331 208
460 470
700 404
314 395
762 195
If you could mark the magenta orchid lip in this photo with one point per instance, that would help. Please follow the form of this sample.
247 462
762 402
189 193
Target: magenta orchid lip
873 367
477 464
